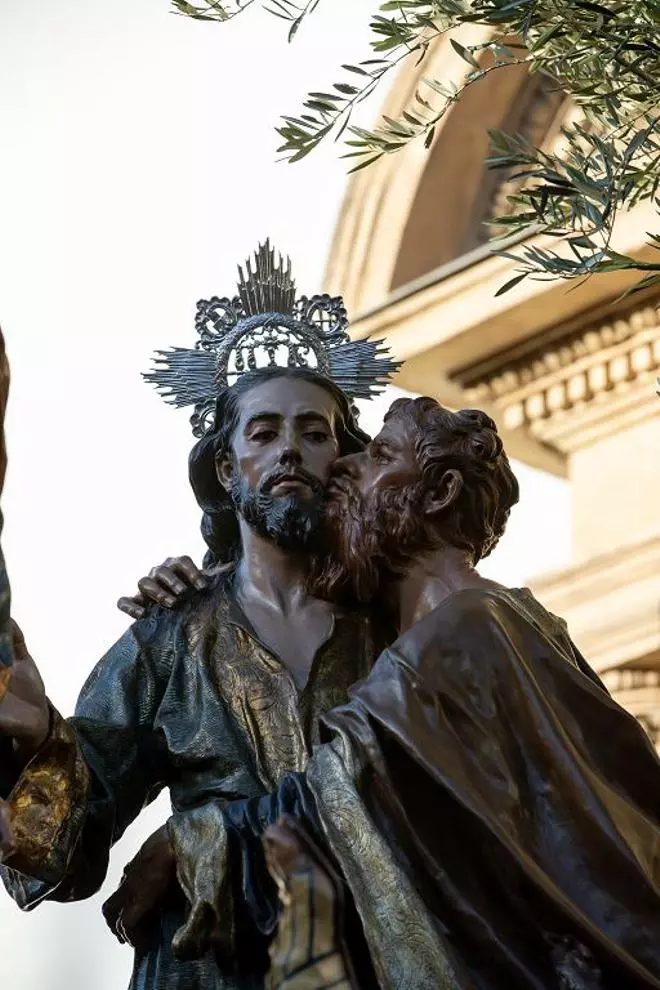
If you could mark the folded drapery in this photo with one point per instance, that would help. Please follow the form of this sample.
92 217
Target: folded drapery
494 814
484 763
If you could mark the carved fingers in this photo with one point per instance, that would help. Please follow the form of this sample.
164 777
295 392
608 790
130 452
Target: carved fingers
165 585
130 912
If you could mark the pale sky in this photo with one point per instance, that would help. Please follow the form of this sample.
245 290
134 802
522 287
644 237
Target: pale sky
137 168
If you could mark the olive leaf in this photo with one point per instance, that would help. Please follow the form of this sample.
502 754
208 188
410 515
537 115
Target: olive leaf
604 55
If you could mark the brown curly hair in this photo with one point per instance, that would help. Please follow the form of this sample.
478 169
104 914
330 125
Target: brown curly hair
467 441
382 533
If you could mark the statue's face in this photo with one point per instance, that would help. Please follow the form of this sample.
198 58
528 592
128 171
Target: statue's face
388 462
283 447
285 442
380 513
375 511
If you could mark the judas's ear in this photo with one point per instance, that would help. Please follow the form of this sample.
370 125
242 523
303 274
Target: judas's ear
445 494
224 468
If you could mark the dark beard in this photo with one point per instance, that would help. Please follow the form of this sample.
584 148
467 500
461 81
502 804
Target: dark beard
373 541
289 521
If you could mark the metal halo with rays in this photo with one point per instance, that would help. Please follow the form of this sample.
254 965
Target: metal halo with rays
265 325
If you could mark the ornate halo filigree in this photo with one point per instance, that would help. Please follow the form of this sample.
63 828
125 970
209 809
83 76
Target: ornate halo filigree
265 325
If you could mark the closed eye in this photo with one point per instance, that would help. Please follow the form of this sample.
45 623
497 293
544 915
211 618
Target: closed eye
316 436
380 455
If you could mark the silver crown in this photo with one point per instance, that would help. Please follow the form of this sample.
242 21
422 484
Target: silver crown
266 326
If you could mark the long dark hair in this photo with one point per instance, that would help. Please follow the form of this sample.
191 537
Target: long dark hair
219 523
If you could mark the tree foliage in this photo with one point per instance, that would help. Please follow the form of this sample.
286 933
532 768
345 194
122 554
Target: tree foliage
210 10
605 55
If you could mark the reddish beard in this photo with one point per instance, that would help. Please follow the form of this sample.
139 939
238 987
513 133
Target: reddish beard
372 540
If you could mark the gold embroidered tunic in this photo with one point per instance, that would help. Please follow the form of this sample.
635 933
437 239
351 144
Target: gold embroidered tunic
192 701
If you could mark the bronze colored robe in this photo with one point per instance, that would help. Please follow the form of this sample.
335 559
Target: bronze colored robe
494 813
191 701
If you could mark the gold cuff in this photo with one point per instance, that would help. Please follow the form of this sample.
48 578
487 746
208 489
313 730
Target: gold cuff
47 806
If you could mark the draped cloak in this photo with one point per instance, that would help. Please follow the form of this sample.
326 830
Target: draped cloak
494 813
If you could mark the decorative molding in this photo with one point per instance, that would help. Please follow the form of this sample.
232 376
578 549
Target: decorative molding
632 679
569 388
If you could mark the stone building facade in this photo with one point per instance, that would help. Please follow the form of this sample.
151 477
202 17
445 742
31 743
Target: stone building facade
568 372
